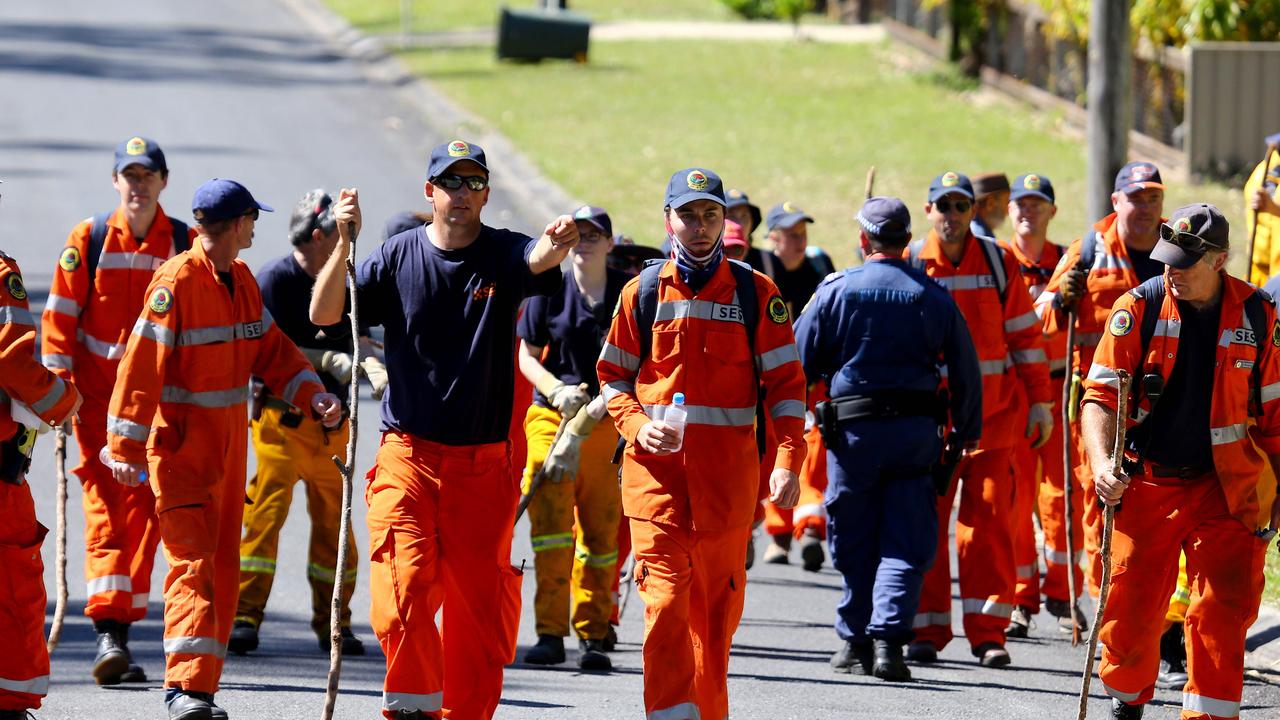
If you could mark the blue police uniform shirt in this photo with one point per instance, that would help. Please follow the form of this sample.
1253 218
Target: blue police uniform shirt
887 326
286 293
571 331
450 320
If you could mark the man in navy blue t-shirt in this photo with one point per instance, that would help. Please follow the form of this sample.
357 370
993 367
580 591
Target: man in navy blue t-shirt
441 499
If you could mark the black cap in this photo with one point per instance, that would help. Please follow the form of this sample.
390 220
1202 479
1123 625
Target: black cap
736 197
950 182
1031 185
1191 231
785 215
400 222
886 219
1137 176
220 199
444 156
596 216
691 184
140 151
988 183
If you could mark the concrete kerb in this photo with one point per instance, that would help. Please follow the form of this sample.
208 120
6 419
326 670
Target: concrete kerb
513 173
1262 644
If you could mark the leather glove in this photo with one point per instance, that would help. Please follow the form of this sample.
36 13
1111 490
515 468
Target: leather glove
1071 287
568 399
585 421
562 462
373 369
1040 424
337 365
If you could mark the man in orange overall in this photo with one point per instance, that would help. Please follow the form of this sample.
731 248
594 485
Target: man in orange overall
1121 245
98 290
982 279
33 397
442 496
179 415
1203 349
713 331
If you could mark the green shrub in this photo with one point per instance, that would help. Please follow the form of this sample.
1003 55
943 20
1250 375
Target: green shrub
769 9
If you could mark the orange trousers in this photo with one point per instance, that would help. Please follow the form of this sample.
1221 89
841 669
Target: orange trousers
1160 518
121 528
811 510
24 665
693 585
197 473
1091 513
440 524
984 549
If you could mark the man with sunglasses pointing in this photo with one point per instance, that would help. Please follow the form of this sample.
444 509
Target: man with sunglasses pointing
442 504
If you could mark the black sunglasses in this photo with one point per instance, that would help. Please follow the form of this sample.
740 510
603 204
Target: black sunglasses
475 183
1186 240
961 206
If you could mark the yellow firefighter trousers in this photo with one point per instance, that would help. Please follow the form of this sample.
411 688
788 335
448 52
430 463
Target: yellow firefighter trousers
584 567
285 455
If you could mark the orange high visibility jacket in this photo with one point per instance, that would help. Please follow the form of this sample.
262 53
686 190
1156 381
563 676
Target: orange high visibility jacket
191 353
22 378
1111 276
84 337
1237 438
1035 276
1006 336
700 347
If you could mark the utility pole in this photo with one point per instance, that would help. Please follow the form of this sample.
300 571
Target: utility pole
1109 101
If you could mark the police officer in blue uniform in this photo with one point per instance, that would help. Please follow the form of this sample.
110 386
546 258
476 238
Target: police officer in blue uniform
882 336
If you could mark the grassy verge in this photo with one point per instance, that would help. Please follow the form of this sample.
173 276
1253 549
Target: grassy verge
1272 594
383 16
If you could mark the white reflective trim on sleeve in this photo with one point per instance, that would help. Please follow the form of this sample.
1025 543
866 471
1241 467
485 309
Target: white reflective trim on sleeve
140 600
13 315
109 583
1029 357
291 389
56 361
62 305
154 331
51 398
38 685
705 415
1105 375
986 606
683 711
990 367
788 408
616 388
410 702
777 357
1268 392
1228 434
923 620
1122 696
1210 706
1022 572
194 646
127 428
101 348
1022 322
211 399
613 354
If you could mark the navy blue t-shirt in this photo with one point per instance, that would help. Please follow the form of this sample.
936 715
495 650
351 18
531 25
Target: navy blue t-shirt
286 293
571 331
450 321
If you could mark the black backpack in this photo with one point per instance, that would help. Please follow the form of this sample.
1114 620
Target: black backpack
991 252
98 239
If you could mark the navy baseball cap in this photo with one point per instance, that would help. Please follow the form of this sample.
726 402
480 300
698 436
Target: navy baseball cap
950 182
691 184
596 216
444 156
736 197
785 216
220 199
140 151
1137 176
886 219
1032 185
1191 231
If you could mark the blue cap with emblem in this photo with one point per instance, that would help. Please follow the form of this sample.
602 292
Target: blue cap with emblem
140 151
596 216
886 219
455 151
784 216
736 197
1137 176
220 199
950 182
691 184
1032 185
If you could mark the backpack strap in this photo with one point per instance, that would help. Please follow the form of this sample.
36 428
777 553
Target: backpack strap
1255 313
748 300
994 256
1088 250
181 236
97 240
647 304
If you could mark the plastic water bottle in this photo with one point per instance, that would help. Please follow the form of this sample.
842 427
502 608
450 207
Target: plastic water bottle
676 417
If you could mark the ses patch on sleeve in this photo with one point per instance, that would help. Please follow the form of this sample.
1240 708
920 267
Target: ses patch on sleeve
70 259
161 300
1275 334
15 287
778 310
1121 323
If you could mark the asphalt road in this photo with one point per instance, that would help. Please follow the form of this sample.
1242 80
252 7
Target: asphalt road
237 89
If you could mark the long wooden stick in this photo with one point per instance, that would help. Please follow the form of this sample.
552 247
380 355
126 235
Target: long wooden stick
870 184
348 472
1068 477
539 476
1108 526
60 571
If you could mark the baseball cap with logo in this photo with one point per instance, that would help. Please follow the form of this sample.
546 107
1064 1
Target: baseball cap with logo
947 183
886 219
220 199
735 198
1190 232
1137 176
444 156
596 216
785 215
691 184
1032 185
140 151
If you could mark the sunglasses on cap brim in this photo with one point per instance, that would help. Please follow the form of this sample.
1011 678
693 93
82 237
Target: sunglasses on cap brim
1188 241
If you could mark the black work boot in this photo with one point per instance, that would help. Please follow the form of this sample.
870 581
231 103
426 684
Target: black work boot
549 650
15 715
352 646
778 550
135 673
992 655
593 656
1019 622
854 657
811 553
244 637
888 662
611 639
1124 711
188 705
112 661
1173 659
922 652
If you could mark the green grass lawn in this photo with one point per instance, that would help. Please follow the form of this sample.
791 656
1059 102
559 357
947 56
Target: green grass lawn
782 121
1272 594
383 16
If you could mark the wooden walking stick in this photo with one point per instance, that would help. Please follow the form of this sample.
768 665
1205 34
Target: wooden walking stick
1108 525
1068 479
60 571
871 181
348 472
539 476
1253 231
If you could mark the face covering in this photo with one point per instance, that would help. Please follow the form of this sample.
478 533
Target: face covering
695 270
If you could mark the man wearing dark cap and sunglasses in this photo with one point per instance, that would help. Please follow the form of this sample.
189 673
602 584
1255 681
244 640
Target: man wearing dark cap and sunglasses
442 504
879 336
289 445
1205 423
